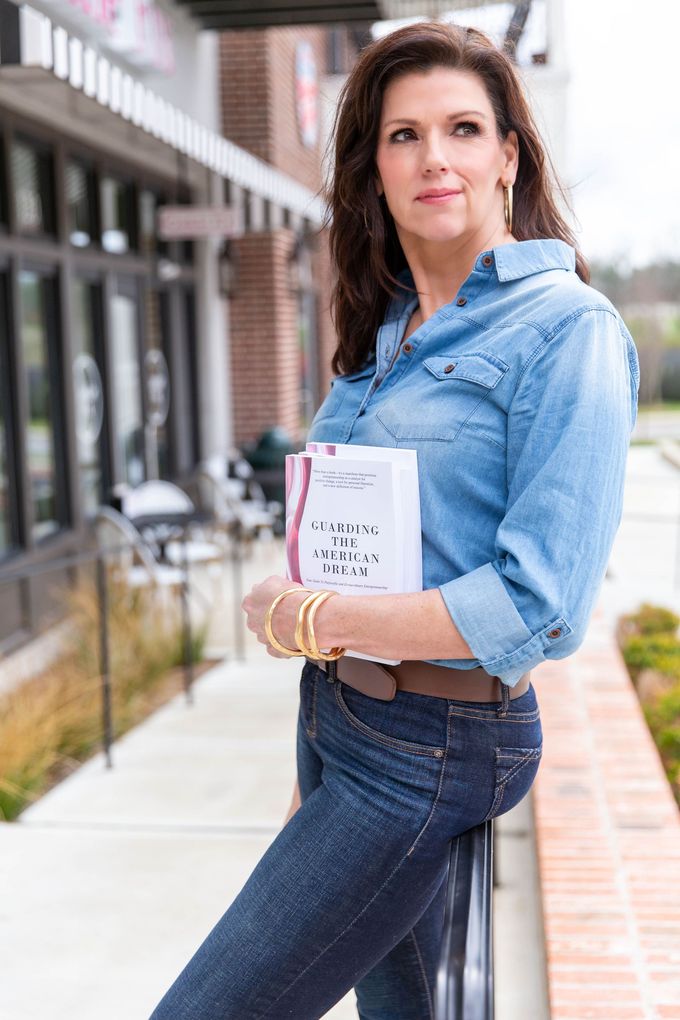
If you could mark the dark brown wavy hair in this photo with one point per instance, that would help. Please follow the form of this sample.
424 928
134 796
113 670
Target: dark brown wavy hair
365 248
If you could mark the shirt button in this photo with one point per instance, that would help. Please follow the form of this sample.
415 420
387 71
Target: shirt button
407 348
461 301
554 633
449 368
487 260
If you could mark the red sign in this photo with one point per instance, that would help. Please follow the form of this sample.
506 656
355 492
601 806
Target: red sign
184 222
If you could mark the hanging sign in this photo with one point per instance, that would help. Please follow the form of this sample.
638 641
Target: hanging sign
177 222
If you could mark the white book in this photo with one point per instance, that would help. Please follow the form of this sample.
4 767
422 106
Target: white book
353 521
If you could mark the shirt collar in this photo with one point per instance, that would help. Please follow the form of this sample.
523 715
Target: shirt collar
524 258
511 261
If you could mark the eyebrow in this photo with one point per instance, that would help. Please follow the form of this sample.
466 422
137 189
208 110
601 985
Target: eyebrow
450 116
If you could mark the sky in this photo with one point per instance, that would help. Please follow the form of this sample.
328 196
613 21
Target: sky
623 127
621 138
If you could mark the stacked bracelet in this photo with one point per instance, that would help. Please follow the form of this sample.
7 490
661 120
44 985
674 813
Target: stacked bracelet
305 618
273 641
335 653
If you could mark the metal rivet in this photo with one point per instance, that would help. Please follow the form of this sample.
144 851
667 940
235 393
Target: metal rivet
554 633
439 754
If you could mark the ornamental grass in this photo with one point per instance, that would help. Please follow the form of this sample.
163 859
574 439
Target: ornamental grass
53 722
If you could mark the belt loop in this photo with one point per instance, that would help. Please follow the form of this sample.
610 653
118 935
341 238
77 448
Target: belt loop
332 671
505 699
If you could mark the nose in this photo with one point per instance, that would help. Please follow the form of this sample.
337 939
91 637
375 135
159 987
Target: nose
433 158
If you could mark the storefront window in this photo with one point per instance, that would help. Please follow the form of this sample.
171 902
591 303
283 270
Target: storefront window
80 204
33 194
127 388
3 189
40 430
5 506
88 393
116 209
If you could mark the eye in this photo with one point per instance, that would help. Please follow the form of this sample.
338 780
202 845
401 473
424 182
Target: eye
467 128
394 137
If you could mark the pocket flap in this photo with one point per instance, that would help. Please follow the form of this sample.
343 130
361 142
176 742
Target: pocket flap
481 368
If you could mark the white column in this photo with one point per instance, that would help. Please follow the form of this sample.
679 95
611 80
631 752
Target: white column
215 410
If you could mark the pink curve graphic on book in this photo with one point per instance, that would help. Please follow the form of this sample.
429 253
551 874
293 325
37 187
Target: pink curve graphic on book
328 448
298 472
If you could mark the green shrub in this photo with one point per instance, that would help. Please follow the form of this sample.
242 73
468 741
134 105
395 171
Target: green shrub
650 619
649 641
653 651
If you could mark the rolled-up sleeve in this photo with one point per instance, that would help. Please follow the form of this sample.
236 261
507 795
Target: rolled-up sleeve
569 428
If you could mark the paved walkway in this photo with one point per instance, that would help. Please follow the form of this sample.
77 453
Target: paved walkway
109 882
608 828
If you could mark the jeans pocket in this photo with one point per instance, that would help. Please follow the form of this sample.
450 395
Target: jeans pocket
404 724
516 769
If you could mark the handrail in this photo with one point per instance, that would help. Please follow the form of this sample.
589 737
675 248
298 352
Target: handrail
99 557
465 987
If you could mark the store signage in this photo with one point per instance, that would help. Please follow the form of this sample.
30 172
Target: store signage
137 30
306 93
177 222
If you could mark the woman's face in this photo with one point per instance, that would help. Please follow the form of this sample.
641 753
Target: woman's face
438 133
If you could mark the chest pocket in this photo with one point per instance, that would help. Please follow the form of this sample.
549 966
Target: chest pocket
437 401
344 388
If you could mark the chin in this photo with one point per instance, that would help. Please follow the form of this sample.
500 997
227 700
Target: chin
440 229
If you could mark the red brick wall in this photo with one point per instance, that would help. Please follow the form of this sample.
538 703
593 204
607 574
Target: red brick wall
263 329
258 113
258 97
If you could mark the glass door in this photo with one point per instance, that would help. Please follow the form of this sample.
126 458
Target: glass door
157 383
88 391
126 382
6 528
46 477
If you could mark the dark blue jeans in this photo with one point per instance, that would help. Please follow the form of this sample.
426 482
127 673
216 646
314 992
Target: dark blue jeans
351 892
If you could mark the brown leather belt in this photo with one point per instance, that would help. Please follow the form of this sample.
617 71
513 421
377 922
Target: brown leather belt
380 681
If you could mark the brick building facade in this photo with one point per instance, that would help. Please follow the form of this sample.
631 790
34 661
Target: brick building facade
282 338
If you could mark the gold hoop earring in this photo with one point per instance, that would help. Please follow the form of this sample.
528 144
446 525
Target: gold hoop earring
507 205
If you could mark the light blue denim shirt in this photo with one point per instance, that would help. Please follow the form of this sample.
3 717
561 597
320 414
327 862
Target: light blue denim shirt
520 397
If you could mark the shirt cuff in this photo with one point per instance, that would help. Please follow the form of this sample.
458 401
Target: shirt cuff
488 619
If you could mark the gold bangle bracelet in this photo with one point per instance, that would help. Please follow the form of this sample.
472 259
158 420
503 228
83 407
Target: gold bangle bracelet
273 641
300 626
335 653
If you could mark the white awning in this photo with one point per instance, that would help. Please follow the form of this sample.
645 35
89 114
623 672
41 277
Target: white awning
29 39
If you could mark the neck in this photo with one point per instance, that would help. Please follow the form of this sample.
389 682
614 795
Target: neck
440 268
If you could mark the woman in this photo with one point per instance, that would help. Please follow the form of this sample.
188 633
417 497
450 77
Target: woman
467 331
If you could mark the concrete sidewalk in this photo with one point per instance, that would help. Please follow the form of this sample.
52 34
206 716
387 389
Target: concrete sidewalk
113 879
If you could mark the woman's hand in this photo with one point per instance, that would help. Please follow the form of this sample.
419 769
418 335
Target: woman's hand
257 602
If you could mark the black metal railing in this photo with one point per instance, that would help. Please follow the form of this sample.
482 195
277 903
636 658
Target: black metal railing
465 987
100 558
